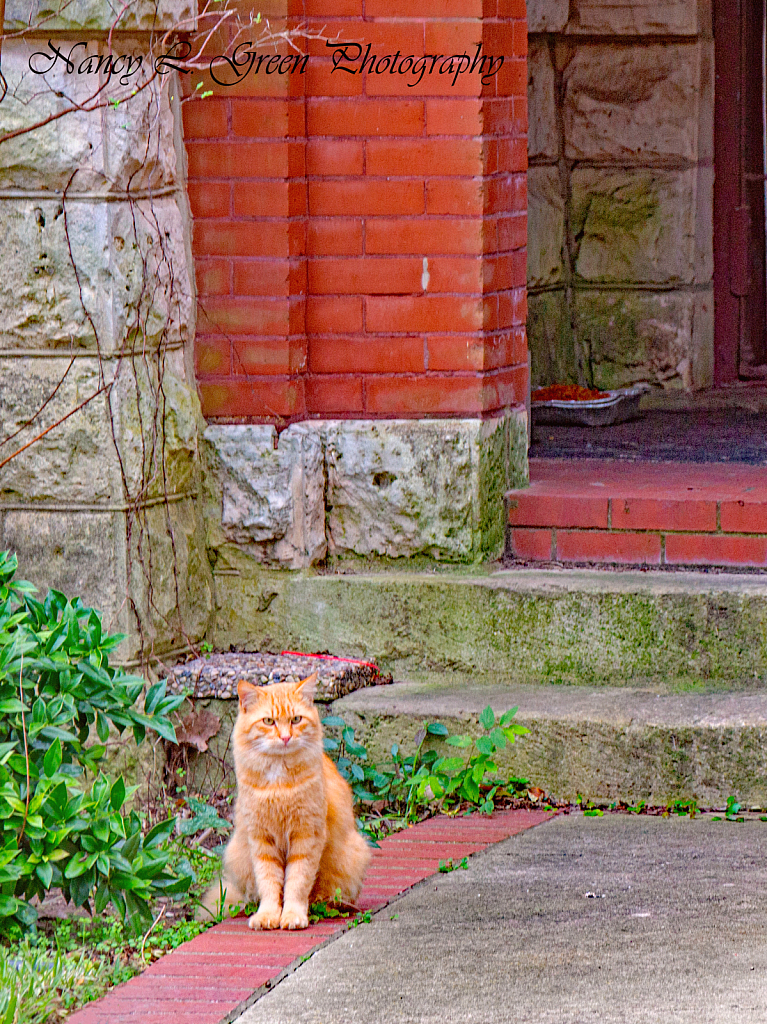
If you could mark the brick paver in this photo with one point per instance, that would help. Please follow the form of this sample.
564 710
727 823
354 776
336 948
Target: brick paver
216 975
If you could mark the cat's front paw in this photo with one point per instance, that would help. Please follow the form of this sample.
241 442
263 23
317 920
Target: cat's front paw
265 918
294 918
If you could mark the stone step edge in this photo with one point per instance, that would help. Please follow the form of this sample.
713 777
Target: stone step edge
605 743
411 856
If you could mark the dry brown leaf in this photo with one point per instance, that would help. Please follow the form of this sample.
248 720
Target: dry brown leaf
197 728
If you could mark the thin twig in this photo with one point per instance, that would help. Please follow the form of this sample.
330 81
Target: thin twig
152 927
58 423
26 748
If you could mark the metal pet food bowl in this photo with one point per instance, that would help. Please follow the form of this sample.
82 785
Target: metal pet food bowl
616 407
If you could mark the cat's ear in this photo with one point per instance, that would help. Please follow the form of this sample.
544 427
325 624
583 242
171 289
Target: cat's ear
248 694
307 688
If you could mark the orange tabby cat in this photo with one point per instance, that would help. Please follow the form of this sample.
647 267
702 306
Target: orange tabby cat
295 841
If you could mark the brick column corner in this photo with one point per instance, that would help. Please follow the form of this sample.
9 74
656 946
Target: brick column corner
360 236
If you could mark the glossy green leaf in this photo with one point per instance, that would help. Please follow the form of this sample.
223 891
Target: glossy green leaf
117 794
437 729
52 760
161 831
44 872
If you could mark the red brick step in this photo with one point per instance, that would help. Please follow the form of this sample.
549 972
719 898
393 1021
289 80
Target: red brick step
610 512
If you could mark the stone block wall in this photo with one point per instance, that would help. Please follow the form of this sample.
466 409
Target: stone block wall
95 340
620 184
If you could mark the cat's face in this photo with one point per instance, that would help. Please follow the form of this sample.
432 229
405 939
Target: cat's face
278 720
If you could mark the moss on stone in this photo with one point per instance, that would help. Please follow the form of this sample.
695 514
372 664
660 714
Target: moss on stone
471 623
626 208
551 339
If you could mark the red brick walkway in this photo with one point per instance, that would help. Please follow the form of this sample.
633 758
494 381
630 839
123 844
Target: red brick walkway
644 513
218 974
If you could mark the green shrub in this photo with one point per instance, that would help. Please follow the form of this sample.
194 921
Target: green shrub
57 829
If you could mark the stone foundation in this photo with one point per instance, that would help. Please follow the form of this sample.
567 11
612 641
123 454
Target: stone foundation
342 489
96 323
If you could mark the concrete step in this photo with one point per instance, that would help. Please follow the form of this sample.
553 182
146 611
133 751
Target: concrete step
667 631
606 743
612 512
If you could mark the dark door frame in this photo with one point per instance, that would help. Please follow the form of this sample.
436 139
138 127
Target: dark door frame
739 209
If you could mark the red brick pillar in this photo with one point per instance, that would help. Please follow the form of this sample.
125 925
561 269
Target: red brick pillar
246 149
360 244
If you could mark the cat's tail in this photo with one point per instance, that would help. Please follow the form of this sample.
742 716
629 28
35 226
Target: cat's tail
235 885
218 899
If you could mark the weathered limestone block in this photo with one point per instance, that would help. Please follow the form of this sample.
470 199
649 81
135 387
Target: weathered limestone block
138 132
638 102
402 488
97 14
80 553
545 226
703 339
547 15
706 101
267 500
634 225
704 225
634 17
551 340
151 290
41 304
362 488
76 461
49 156
127 143
543 134
125 257
156 422
636 336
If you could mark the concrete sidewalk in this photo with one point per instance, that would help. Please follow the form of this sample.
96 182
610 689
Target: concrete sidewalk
613 920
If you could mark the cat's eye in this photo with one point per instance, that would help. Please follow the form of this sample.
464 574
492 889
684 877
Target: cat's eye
268 721
296 719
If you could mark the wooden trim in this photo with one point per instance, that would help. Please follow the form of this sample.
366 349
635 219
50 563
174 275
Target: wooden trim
740 293
727 116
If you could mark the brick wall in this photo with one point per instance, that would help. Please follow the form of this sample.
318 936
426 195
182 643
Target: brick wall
360 245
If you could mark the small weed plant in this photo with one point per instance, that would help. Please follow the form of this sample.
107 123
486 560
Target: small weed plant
731 812
407 785
446 866
682 808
